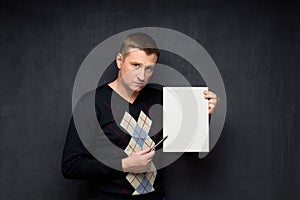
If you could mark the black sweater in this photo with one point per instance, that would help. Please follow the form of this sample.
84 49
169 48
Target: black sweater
101 164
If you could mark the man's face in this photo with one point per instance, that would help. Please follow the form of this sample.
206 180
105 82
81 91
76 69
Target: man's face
135 69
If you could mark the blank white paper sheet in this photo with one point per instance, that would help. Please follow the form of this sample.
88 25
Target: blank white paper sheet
185 119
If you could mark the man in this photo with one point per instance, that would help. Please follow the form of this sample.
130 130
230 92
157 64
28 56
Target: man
137 177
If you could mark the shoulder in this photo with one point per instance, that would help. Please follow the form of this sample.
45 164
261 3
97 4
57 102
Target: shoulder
153 89
103 92
89 98
103 89
152 93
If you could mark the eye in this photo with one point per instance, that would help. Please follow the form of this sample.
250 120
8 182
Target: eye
149 69
136 65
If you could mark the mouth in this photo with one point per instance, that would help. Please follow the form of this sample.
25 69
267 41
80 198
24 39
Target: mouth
139 84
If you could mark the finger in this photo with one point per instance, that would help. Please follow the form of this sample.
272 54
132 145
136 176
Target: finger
149 155
206 92
210 95
211 108
144 151
213 101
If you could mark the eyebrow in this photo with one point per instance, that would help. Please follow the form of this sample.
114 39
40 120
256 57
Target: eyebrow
149 65
134 62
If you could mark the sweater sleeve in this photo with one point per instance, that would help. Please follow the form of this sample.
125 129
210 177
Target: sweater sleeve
77 161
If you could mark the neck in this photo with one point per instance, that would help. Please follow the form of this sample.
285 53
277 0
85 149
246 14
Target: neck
123 91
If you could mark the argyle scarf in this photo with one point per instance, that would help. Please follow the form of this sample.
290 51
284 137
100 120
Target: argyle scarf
141 182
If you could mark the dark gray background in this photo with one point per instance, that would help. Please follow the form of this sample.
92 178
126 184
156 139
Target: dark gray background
255 46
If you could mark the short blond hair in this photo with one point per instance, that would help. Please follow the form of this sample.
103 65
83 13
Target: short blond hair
140 41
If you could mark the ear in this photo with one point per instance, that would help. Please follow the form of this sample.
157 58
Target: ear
119 60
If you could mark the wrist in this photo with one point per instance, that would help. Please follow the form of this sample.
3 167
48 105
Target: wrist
124 165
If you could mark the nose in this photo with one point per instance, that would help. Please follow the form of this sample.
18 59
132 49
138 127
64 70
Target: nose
141 74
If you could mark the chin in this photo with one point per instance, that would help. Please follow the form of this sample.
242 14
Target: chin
138 89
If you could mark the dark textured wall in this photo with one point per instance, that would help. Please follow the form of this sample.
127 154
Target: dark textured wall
255 46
